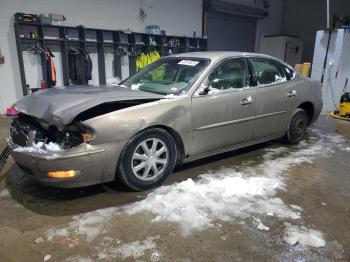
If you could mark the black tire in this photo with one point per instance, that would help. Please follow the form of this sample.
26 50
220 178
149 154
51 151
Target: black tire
125 172
297 127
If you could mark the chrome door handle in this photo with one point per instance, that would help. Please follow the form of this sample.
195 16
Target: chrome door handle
246 101
292 93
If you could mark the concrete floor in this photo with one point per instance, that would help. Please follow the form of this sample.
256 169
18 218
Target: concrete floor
199 219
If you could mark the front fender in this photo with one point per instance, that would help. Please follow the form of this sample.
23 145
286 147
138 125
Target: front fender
125 123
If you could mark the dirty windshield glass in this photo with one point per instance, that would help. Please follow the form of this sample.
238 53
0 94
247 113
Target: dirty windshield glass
167 75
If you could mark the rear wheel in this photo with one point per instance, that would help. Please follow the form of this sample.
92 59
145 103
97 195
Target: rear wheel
297 127
147 159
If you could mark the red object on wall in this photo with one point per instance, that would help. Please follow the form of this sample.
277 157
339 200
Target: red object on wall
11 111
43 85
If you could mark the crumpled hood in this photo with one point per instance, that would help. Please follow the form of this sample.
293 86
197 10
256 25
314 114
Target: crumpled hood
59 106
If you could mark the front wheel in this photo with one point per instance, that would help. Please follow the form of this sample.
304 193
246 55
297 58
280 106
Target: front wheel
147 159
297 127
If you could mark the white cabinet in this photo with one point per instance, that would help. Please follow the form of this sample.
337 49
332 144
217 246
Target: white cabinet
337 71
286 48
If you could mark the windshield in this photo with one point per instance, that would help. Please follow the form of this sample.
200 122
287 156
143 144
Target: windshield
173 75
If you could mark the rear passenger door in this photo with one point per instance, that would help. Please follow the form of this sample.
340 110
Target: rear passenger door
274 97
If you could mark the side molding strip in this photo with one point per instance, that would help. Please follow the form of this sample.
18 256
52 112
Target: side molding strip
239 120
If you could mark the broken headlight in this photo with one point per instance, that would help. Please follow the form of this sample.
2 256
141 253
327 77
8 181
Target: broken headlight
75 134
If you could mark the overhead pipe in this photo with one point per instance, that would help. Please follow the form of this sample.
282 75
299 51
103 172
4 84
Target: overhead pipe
327 14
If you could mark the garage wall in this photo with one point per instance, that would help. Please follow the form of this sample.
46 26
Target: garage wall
304 18
180 17
239 28
237 33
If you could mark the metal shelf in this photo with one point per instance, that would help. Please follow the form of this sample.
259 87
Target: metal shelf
117 39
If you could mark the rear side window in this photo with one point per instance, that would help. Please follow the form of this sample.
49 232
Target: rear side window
268 72
232 73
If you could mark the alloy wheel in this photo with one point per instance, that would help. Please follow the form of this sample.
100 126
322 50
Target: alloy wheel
149 159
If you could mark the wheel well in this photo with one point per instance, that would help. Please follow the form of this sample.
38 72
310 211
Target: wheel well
309 109
178 141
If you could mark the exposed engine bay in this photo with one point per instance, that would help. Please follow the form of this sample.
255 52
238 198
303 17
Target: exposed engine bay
27 131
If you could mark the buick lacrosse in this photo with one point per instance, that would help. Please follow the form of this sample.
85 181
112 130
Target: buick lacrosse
178 109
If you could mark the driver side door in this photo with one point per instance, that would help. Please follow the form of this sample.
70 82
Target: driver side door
223 116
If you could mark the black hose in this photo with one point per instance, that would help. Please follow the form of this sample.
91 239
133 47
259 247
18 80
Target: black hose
3 157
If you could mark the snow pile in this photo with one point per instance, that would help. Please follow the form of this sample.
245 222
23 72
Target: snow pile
229 193
225 195
114 81
47 151
214 91
35 148
4 193
135 87
53 147
304 236
135 249
259 225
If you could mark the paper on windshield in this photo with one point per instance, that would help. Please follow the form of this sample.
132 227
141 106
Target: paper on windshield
188 62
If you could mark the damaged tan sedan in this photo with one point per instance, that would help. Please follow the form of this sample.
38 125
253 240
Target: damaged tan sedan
178 109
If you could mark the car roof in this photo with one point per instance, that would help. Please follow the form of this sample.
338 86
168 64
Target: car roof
219 55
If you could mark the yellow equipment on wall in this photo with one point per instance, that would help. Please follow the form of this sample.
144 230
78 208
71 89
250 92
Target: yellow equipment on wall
344 108
145 59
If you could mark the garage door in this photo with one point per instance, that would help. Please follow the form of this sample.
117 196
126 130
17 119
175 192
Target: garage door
230 32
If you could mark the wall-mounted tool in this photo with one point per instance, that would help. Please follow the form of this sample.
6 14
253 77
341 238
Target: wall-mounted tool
2 58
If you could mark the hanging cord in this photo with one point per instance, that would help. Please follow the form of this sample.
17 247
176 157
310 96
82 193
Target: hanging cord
3 157
330 84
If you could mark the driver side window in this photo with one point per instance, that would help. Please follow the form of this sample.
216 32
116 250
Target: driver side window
230 74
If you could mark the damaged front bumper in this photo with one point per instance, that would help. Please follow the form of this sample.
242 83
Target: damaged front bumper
94 164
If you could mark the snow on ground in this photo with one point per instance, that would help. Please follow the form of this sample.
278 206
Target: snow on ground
259 225
230 194
301 235
134 249
89 224
78 259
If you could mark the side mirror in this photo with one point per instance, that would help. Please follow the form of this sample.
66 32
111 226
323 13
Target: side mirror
205 90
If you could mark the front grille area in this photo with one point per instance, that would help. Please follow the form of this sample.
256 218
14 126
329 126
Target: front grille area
26 131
